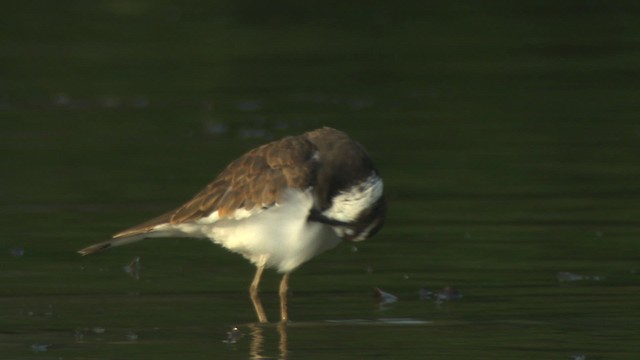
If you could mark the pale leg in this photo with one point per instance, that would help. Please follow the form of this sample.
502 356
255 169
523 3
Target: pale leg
253 292
283 346
284 287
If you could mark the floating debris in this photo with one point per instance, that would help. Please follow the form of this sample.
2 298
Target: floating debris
131 336
233 336
215 128
38 348
354 248
47 312
447 294
78 335
17 252
99 330
383 296
578 357
133 268
425 293
565 276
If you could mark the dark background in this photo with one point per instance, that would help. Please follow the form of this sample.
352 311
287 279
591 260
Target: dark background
507 134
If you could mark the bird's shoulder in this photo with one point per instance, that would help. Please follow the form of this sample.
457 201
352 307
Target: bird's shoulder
256 179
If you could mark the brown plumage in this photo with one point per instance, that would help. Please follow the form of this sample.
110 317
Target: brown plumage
324 184
256 179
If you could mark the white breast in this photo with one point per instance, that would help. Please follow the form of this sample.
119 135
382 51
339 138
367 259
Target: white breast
278 237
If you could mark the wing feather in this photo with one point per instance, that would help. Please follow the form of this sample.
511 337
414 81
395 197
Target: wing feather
259 178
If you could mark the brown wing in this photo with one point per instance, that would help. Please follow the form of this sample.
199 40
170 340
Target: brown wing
256 179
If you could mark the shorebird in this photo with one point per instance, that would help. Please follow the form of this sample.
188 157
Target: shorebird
279 205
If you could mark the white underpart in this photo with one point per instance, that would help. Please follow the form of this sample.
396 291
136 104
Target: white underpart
349 204
199 227
238 214
279 236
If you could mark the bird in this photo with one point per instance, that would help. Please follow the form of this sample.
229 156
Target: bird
279 205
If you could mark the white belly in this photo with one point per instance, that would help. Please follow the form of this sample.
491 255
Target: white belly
278 237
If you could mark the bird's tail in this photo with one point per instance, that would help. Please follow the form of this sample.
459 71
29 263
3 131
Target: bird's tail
151 228
116 241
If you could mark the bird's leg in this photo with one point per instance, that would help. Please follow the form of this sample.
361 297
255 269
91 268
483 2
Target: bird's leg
284 343
284 286
253 293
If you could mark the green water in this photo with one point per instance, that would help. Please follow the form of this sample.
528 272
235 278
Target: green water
508 137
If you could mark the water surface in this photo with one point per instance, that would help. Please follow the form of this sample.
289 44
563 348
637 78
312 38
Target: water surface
508 138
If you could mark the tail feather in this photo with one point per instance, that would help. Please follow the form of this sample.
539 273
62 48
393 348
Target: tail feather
111 243
95 248
143 231
136 233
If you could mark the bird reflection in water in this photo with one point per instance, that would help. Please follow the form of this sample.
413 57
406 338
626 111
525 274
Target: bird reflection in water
257 338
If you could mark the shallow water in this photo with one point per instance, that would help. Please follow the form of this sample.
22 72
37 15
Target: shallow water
508 138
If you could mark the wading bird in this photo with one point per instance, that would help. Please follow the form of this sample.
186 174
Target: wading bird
279 205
